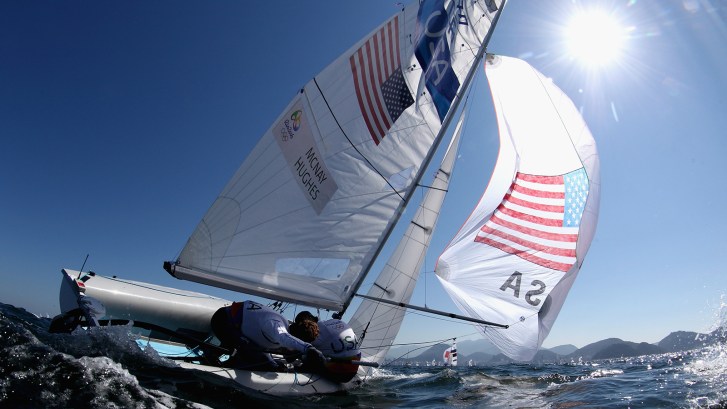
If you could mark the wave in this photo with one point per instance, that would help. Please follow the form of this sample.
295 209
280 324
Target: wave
106 368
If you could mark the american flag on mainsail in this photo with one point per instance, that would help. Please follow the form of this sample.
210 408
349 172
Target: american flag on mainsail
539 218
380 87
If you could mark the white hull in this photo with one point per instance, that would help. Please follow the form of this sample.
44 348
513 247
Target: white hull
177 309
131 300
276 383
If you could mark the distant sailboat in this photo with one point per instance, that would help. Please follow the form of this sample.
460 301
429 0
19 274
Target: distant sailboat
449 356
308 212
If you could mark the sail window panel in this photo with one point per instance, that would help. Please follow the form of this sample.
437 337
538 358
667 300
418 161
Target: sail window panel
400 180
273 285
323 268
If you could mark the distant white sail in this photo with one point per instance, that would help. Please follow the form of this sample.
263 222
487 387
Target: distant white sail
305 215
516 257
449 356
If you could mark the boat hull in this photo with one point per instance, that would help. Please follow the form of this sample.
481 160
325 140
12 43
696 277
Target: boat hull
171 308
275 383
184 311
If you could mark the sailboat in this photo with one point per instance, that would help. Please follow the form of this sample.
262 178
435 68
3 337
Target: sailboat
306 215
449 356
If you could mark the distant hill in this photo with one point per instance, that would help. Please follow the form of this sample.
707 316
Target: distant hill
627 349
679 341
434 353
588 351
485 353
402 351
564 349
478 358
469 347
542 356
684 340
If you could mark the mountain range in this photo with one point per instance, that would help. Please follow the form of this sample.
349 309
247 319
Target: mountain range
482 352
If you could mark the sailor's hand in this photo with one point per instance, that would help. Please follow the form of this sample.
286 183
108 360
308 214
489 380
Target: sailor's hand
314 357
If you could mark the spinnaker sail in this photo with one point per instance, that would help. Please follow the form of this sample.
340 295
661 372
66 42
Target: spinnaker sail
305 215
516 257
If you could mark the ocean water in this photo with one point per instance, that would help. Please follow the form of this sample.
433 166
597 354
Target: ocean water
104 368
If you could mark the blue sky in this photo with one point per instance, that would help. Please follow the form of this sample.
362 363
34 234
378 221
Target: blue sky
121 121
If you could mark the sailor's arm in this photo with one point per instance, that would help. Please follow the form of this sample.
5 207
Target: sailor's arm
280 334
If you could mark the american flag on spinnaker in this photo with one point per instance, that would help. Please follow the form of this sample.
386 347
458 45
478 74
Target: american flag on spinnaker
539 218
381 90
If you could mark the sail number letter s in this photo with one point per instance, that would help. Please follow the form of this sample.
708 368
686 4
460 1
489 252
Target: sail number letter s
305 162
513 284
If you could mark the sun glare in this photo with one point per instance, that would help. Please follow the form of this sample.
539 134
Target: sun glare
594 38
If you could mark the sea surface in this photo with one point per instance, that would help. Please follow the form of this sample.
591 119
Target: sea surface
104 368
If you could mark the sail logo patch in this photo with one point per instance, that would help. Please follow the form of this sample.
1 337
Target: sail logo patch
295 119
538 219
305 162
291 125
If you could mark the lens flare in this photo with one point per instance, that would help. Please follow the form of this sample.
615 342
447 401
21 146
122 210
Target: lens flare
594 38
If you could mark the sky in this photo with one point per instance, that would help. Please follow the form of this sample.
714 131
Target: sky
120 122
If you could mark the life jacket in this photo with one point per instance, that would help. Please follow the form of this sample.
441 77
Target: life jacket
226 324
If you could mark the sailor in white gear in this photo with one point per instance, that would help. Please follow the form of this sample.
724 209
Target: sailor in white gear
337 341
254 330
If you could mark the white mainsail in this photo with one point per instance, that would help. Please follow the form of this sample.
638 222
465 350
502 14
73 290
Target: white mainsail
516 257
305 215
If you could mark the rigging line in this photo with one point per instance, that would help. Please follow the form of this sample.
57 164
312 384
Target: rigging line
315 81
560 116
404 355
417 349
82 265
453 320
427 159
425 256
432 187
437 342
431 311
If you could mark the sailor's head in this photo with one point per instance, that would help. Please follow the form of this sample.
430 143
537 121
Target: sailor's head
305 316
305 330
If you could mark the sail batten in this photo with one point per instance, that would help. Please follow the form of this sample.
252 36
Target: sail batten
308 211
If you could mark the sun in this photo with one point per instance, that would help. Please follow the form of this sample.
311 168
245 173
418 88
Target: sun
594 38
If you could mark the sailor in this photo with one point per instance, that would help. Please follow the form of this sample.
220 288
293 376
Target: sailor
254 331
337 341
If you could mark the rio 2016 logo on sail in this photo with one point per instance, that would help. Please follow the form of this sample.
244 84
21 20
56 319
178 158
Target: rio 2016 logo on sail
291 125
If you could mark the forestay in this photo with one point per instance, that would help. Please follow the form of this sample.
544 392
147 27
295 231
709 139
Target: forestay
516 257
306 213
378 323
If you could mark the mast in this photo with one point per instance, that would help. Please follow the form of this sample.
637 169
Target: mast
307 212
427 160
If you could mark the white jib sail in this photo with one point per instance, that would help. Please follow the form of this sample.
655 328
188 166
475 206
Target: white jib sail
375 323
516 257
306 213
